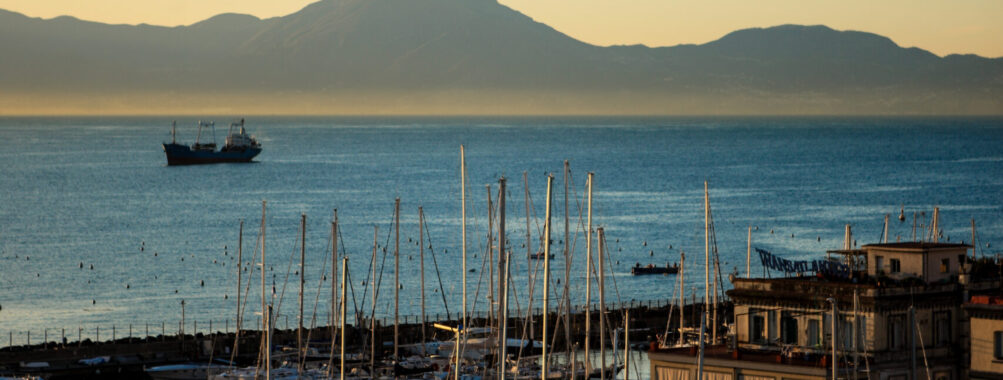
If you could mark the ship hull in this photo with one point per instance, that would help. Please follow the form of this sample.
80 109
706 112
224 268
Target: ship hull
178 154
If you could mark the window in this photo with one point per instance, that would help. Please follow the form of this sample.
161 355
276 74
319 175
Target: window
708 375
896 265
896 332
813 333
788 328
879 264
942 328
666 373
998 345
771 326
945 265
757 329
862 333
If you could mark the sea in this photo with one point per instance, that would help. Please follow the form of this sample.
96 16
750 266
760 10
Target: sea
98 236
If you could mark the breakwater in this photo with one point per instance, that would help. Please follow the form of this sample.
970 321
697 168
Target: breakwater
127 356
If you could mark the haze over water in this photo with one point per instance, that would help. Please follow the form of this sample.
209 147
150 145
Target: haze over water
96 191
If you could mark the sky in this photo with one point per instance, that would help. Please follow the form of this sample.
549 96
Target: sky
940 26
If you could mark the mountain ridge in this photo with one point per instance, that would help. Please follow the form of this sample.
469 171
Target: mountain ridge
461 56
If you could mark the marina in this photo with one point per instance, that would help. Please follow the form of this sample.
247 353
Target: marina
411 274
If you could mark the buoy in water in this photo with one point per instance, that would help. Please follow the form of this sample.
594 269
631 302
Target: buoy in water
645 243
127 286
81 265
92 266
94 302
651 253
771 230
902 214
202 283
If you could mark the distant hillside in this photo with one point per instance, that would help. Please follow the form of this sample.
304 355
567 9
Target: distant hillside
467 56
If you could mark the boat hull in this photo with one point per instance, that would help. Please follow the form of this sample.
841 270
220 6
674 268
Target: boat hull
178 154
638 271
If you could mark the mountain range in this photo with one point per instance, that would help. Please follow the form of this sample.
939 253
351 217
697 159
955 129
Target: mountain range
466 57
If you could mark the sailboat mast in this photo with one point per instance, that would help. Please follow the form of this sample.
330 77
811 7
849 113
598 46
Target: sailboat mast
344 279
682 295
397 269
706 225
462 208
884 233
588 276
463 228
334 268
602 303
567 263
546 277
421 258
372 318
263 267
502 273
491 258
240 269
335 317
626 344
299 332
529 251
266 310
973 239
748 255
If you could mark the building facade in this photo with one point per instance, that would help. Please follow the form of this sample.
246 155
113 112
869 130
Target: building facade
893 312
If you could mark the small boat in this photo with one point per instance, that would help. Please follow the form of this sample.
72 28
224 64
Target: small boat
539 256
652 269
187 371
239 147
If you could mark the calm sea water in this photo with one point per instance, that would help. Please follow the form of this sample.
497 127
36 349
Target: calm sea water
96 191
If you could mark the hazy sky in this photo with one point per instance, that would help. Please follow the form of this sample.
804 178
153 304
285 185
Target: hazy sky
940 26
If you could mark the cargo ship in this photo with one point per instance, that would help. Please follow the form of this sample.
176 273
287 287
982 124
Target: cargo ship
238 147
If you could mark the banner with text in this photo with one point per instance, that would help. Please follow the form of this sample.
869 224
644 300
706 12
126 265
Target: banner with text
824 267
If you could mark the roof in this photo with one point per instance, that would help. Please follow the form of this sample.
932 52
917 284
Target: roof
916 245
985 306
856 252
986 300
